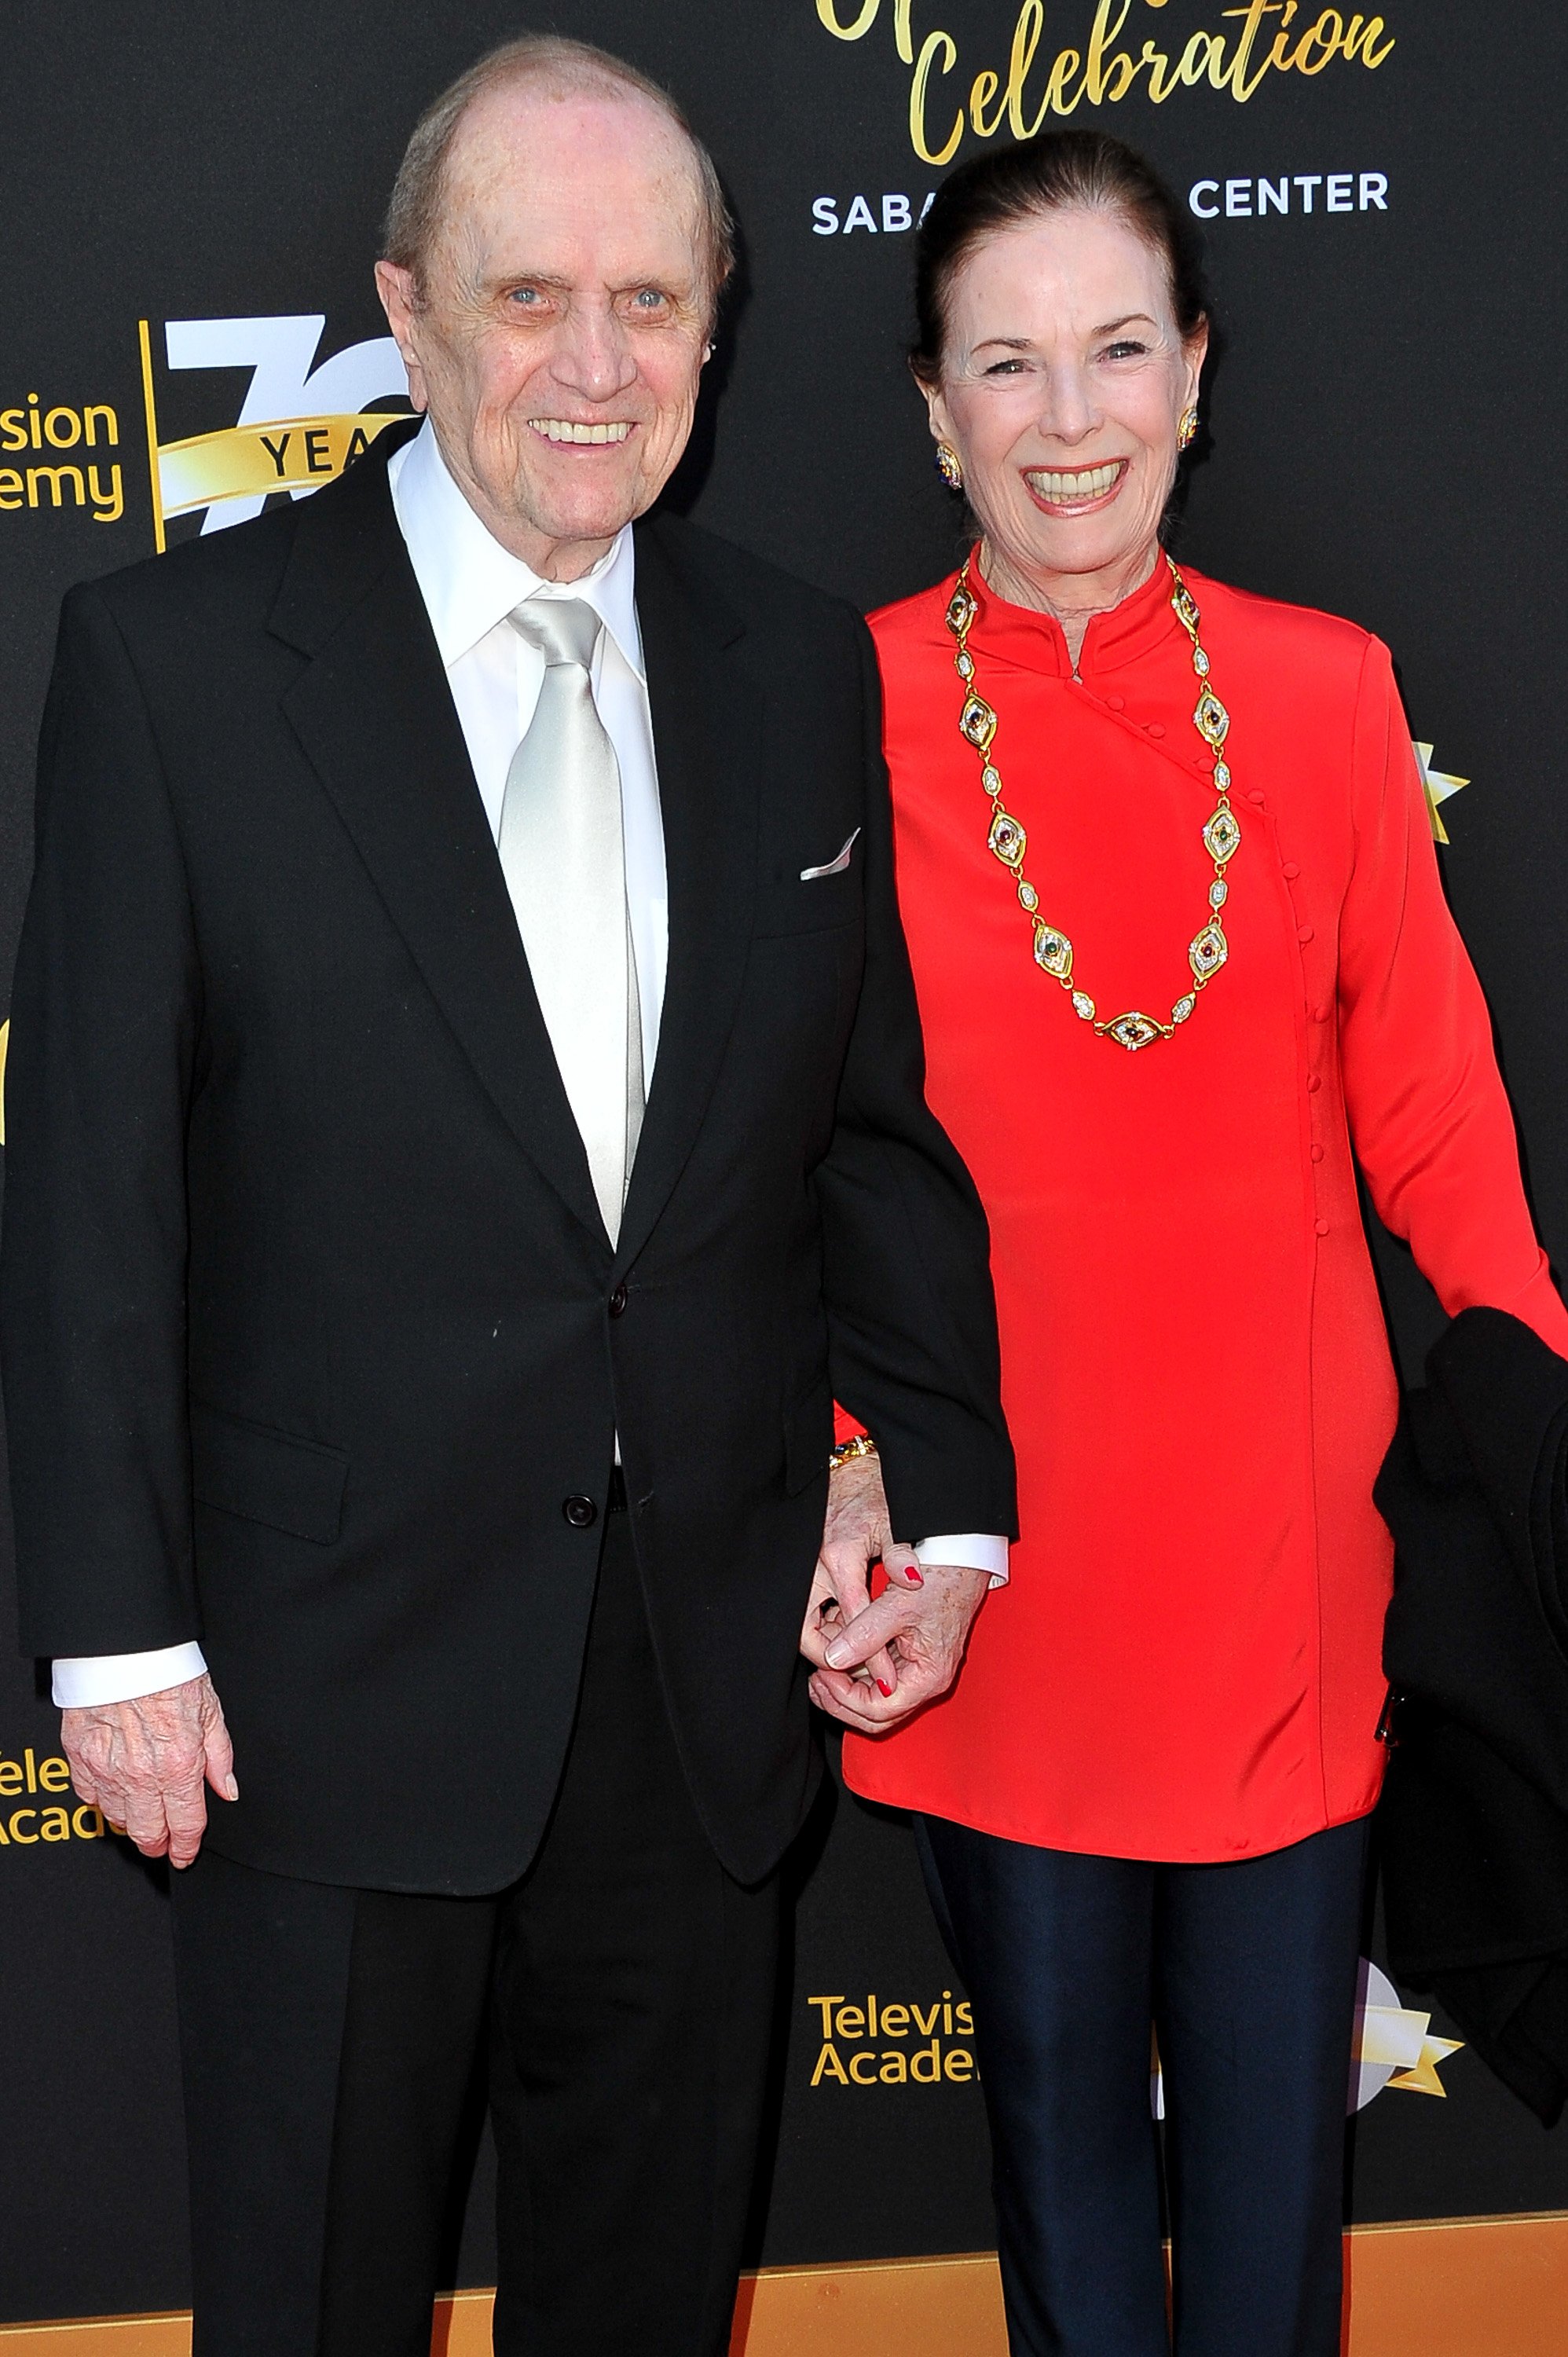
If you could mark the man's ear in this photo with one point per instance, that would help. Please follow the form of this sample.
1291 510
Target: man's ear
400 301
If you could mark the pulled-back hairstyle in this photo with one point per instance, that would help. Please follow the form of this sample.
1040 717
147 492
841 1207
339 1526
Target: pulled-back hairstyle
1056 172
418 199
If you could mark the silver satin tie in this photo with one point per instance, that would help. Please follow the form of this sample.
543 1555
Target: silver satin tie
563 855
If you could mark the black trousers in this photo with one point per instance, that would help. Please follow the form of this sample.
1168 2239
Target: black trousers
621 1998
1248 1973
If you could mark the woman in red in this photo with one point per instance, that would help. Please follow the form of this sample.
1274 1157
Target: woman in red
1185 967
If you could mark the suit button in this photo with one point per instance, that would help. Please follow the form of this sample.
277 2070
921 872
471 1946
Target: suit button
1291 870
1321 1226
1313 1084
1304 934
581 1513
618 1301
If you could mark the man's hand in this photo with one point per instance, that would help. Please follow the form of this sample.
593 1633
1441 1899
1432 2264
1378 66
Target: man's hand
876 1663
145 1764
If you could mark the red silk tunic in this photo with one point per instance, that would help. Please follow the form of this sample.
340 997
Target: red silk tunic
1185 1663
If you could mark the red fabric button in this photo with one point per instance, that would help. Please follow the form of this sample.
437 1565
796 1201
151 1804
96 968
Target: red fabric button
1156 727
1292 870
1321 1014
1256 797
1322 1226
1317 1153
1304 933
1314 1084
1116 703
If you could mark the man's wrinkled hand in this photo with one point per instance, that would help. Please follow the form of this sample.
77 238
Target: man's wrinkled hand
921 1632
146 1765
875 1663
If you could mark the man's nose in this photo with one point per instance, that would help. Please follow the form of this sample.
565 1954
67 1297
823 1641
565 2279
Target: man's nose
594 357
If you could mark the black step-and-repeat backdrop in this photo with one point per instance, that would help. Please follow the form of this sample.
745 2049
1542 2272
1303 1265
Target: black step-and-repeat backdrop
190 213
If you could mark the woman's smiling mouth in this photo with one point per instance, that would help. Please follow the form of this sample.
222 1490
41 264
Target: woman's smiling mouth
1073 490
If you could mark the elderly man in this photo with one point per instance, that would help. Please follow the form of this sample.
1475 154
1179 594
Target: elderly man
467 1124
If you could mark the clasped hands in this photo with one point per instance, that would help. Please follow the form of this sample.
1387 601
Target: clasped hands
146 1763
874 1663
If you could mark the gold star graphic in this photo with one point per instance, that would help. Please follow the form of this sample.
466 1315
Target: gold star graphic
1423 2079
1399 2041
1439 786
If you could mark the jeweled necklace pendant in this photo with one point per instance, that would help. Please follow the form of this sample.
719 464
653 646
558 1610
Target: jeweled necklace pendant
1208 949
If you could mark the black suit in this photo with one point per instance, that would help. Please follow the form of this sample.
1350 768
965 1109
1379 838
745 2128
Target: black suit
316 1346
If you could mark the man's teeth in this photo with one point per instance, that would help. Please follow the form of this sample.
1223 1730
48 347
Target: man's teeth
1090 483
561 429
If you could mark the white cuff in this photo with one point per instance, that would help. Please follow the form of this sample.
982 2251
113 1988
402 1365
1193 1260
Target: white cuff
974 1550
86 1681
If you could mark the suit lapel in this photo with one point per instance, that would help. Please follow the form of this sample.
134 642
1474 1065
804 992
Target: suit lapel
375 716
705 710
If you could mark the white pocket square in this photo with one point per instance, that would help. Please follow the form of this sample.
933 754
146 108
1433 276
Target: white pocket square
834 866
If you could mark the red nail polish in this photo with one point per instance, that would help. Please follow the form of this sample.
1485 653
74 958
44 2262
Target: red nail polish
884 1689
914 1577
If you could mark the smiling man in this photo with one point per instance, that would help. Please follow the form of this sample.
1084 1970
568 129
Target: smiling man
466 1123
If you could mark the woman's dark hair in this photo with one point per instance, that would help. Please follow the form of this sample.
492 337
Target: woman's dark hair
1084 170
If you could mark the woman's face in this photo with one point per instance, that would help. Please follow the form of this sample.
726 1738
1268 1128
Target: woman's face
1063 383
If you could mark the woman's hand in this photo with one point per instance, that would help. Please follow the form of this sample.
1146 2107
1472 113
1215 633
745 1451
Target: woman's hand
877 1662
855 1534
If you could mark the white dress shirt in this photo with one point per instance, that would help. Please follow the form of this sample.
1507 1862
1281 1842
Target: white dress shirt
470 585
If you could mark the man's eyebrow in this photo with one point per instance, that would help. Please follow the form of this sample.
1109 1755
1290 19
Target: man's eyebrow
555 285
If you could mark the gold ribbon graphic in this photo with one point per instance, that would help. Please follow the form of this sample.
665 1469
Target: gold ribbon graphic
240 462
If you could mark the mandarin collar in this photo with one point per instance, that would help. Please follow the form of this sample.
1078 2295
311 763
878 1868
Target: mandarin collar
1036 641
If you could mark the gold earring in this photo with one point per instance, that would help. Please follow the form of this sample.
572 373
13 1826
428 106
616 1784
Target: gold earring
950 466
1188 429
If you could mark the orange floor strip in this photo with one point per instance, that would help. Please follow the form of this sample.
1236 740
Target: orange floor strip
1455 2288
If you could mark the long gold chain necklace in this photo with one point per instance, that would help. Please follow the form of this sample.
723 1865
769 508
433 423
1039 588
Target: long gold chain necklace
1208 949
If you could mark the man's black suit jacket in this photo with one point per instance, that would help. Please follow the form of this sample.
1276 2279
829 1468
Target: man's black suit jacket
315 1343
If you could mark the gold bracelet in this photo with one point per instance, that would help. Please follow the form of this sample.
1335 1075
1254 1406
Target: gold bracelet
847 1451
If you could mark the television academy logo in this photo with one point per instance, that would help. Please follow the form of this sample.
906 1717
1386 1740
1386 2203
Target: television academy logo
870 2043
297 428
298 425
39 1805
